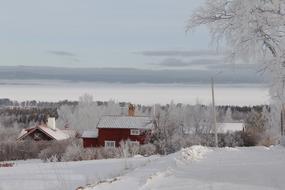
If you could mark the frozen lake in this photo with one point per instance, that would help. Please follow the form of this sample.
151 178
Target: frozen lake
137 93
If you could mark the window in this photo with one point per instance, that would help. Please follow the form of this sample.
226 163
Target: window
110 144
135 132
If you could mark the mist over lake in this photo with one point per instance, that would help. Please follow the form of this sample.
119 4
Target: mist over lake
141 93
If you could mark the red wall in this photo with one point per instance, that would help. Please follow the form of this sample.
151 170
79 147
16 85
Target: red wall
113 135
90 142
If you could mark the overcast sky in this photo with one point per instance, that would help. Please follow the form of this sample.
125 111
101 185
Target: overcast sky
147 34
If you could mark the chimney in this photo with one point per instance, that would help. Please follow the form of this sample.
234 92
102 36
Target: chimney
51 123
131 111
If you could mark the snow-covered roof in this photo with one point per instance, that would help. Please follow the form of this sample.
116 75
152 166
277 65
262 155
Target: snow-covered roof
90 134
55 134
69 132
22 133
229 127
125 122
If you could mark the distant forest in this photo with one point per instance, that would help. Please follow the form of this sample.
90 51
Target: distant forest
33 111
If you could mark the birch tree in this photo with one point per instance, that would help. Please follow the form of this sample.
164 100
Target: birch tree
252 31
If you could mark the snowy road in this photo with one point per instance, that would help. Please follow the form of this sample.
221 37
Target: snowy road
256 168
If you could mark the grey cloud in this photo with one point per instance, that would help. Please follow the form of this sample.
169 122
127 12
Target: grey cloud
62 53
69 57
174 62
232 66
176 53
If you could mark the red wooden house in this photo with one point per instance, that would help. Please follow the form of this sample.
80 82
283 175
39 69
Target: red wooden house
111 130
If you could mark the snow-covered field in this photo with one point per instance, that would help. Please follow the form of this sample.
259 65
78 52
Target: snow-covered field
147 94
35 175
197 168
257 168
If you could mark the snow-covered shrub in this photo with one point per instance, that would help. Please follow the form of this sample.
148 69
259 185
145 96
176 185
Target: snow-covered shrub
128 149
103 153
147 149
231 139
73 152
22 150
190 140
282 141
55 149
89 154
255 127
192 153
268 138
8 133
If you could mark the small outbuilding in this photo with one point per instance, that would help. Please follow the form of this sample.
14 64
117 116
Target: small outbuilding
230 127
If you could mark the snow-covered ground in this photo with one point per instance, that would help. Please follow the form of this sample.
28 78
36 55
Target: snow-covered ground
35 175
256 168
197 168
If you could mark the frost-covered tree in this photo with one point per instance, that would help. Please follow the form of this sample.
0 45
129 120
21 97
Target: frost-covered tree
251 30
198 119
167 133
177 126
228 117
86 114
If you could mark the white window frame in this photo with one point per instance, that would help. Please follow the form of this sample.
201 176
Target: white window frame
135 132
110 144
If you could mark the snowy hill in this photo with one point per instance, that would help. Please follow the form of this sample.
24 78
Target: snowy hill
198 168
257 168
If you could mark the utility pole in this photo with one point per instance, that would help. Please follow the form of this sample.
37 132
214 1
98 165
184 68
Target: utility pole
214 113
282 111
282 120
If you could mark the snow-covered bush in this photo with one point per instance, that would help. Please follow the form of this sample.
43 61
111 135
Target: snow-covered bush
147 149
89 154
128 149
9 133
255 127
55 149
282 141
73 152
192 153
22 150
103 153
231 139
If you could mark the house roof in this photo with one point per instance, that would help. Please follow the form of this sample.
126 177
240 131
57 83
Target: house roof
229 127
125 122
55 134
69 132
90 134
